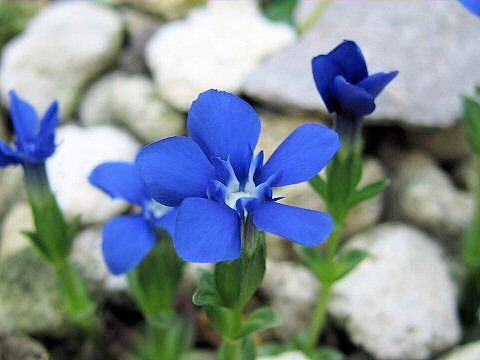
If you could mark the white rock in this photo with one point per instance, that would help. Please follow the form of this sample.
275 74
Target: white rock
291 355
65 46
215 47
401 302
18 219
131 101
11 187
79 151
469 351
292 290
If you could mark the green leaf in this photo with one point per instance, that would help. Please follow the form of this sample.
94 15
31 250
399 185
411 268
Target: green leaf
348 261
37 243
324 272
206 293
222 319
471 122
280 10
320 186
259 320
326 354
368 192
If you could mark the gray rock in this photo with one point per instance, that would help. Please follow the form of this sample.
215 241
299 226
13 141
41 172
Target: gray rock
436 53
80 150
189 56
465 174
11 187
133 102
292 290
18 219
28 295
401 302
62 48
427 197
469 351
15 346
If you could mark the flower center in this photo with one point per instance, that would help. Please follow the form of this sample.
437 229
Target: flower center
153 210
232 198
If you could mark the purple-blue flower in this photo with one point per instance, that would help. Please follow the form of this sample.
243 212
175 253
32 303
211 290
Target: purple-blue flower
217 182
342 79
128 239
35 138
472 5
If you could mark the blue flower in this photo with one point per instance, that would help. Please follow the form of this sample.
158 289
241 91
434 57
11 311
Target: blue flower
217 182
128 239
342 80
472 5
35 139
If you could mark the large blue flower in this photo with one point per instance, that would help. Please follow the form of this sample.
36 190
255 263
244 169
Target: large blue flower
342 79
128 239
217 182
35 139
472 5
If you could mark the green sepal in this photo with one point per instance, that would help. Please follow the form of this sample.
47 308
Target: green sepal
236 281
471 122
367 192
348 261
261 319
154 295
206 293
320 186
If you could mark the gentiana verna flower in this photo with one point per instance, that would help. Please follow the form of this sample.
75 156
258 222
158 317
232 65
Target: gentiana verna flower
216 181
342 79
472 5
35 138
128 239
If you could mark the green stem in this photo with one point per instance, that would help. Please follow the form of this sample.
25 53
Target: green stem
313 17
471 250
231 350
325 292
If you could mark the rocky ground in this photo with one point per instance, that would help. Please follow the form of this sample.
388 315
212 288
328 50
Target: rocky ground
126 74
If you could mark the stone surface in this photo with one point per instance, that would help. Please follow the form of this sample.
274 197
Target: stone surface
291 355
427 197
469 351
20 347
11 187
401 302
212 49
28 295
79 151
18 219
466 175
292 290
436 55
133 102
62 48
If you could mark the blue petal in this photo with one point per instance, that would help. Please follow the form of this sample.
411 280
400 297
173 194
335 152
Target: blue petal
354 101
126 241
472 5
7 155
301 155
207 232
225 126
303 226
120 180
168 221
45 143
24 117
374 84
324 72
349 58
174 169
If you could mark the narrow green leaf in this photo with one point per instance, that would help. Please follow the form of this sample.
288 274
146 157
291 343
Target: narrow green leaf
368 192
316 263
37 243
471 122
206 293
320 186
259 320
221 318
348 261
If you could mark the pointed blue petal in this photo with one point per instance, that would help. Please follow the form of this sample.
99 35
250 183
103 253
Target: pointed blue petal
7 155
207 232
225 126
301 155
303 226
324 71
24 117
120 180
349 58
45 142
174 169
126 241
374 84
354 101
168 221
472 5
